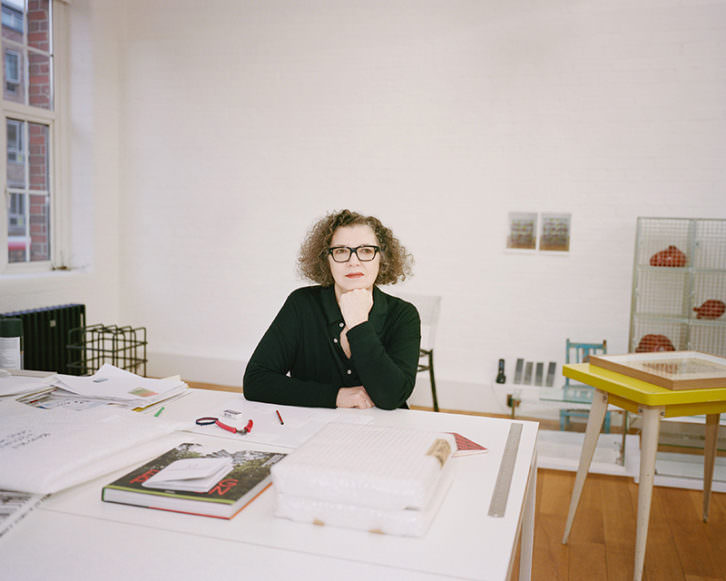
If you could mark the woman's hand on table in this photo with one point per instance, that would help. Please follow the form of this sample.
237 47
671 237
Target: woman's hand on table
354 397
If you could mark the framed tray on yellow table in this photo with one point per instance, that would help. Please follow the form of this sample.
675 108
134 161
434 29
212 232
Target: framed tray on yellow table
674 370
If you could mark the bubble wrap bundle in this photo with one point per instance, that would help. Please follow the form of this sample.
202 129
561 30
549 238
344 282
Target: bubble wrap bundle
379 479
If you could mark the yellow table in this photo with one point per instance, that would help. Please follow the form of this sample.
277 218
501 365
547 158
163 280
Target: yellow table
652 403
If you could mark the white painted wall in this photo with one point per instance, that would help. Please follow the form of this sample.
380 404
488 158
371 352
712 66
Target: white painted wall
240 123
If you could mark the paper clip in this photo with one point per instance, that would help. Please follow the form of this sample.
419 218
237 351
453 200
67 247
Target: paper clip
209 420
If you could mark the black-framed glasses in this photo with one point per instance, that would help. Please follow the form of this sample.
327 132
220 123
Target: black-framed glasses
365 252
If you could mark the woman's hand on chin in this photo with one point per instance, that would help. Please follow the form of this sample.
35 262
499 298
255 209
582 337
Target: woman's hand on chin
355 306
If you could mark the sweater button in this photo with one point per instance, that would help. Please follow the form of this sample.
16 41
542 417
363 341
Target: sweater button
349 372
341 325
335 340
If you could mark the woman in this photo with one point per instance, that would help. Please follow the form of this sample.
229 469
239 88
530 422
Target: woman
343 343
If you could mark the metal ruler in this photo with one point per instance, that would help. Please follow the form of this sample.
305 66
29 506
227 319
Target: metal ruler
504 479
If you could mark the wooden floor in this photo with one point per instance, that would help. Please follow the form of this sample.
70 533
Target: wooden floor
601 546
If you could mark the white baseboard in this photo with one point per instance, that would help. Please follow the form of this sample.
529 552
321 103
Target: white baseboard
686 471
561 451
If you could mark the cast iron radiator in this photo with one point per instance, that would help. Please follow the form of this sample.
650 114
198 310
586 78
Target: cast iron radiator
45 336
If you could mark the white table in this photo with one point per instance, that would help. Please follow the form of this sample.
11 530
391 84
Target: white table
74 535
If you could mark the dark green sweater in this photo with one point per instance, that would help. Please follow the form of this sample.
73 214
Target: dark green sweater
299 360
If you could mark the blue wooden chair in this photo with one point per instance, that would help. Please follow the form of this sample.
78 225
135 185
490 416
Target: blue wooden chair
574 392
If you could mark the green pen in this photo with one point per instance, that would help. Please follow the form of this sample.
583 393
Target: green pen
157 414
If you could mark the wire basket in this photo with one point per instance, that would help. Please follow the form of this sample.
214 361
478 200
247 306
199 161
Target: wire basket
92 346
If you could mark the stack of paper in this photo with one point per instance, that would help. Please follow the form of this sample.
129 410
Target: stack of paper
19 382
113 385
43 451
15 506
384 480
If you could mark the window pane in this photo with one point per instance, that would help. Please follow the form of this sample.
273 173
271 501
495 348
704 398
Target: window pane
28 157
38 156
27 54
39 25
40 81
18 236
27 78
39 228
16 154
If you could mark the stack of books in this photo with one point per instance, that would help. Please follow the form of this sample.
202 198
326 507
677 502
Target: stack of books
378 479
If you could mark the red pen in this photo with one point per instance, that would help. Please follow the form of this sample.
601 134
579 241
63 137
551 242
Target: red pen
279 417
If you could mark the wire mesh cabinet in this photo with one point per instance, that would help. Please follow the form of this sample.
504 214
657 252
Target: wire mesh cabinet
679 286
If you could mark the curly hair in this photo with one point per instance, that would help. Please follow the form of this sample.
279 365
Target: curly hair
395 264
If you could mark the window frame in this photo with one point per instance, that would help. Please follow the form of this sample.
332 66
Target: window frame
57 120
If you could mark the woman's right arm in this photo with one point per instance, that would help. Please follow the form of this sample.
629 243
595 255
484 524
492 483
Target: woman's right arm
266 378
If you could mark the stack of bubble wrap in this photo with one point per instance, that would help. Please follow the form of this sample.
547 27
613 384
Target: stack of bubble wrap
378 479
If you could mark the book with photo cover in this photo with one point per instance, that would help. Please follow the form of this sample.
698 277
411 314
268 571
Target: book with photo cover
248 476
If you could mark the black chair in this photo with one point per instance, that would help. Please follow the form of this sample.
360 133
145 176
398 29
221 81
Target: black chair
428 307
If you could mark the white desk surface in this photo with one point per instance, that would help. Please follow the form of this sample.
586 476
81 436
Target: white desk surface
74 535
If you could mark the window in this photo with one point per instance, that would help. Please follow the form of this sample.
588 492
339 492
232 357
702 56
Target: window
12 70
32 115
12 16
15 142
17 215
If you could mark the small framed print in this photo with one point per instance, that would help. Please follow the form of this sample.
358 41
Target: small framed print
522 231
670 369
555 232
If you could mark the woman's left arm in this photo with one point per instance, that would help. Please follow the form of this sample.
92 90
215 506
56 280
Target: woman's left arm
387 365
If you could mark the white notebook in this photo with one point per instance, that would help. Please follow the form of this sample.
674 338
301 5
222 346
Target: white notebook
376 467
191 474
406 522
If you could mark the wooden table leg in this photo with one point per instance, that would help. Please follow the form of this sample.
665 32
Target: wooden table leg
592 431
527 534
624 441
648 448
709 457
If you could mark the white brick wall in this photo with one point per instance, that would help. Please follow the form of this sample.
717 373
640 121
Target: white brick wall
439 117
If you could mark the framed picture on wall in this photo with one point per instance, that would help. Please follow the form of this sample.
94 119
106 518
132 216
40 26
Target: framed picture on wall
522 231
555 232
